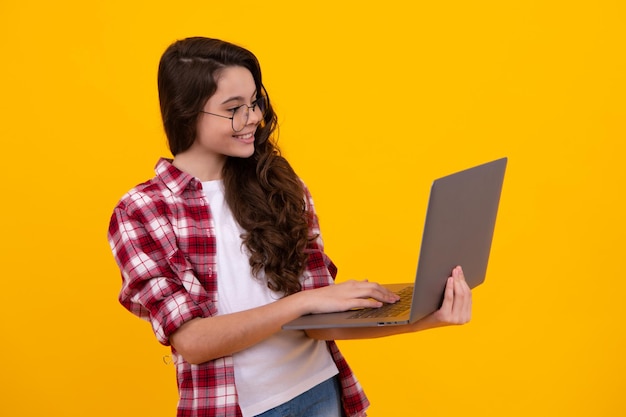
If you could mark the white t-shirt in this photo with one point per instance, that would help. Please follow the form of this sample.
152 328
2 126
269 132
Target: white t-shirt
281 367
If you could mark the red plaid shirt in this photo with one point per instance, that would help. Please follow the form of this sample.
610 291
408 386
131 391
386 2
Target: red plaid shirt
163 239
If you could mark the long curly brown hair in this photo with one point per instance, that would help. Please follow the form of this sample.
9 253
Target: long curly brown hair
264 193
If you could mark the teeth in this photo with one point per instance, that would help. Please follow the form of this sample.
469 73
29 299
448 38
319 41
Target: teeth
246 136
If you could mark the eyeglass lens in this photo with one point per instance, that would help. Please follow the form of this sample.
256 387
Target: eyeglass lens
242 114
240 118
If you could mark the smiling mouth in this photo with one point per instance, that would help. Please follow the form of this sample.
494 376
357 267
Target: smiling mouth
245 137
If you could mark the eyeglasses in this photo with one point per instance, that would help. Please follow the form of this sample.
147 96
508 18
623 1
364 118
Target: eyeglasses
241 114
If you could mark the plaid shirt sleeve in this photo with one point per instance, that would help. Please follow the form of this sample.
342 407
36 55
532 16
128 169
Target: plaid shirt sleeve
162 238
158 282
321 271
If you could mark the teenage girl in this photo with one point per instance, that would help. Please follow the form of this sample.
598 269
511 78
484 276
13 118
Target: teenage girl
222 247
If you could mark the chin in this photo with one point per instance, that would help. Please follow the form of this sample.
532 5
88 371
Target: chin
244 154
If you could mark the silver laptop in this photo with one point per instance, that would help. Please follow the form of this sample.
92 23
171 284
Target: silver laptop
459 229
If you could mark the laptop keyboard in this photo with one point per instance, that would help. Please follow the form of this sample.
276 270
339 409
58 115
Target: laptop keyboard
387 310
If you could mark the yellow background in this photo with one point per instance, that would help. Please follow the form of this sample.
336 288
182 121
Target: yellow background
375 100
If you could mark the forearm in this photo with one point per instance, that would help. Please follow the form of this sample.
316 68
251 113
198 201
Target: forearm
356 333
203 339
371 332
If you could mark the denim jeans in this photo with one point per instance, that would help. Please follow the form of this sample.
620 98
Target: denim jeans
323 400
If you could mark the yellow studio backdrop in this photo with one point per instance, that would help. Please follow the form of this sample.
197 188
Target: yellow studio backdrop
375 100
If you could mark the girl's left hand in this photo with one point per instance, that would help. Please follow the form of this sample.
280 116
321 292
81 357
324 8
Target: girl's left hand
457 304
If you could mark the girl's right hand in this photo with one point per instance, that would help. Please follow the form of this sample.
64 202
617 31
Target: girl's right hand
347 295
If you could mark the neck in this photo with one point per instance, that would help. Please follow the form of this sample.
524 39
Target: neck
203 167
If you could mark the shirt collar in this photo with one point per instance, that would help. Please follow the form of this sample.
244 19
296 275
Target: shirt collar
173 178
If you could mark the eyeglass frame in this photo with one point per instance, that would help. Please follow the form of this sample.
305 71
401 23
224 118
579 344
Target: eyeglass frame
257 103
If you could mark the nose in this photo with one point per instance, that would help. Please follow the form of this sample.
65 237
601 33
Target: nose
254 116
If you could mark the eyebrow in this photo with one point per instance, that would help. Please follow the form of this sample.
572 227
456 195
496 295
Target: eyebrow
238 98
